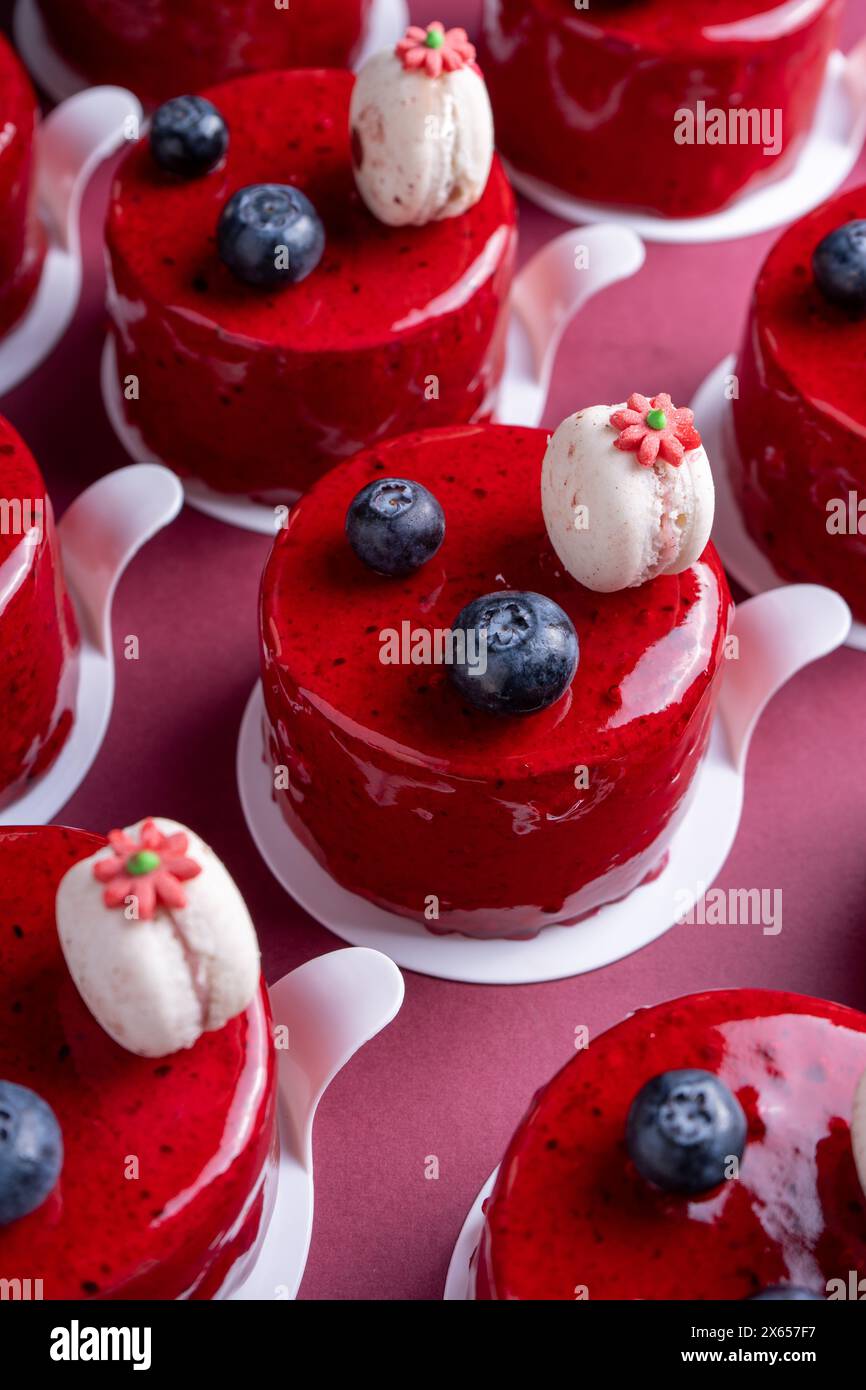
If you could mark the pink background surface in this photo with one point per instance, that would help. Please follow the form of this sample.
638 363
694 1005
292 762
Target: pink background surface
453 1075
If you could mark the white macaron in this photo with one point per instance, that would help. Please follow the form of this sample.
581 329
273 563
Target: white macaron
157 938
422 129
627 493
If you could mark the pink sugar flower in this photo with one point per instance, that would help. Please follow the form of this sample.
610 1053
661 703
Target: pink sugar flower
655 428
435 49
151 870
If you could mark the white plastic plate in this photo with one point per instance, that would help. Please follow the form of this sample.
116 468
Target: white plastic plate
778 632
112 520
826 159
330 1006
742 558
54 75
458 1282
70 144
547 294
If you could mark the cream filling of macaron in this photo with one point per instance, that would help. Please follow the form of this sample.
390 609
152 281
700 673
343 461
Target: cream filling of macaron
676 496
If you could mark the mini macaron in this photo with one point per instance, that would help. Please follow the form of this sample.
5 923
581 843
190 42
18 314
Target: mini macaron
157 938
627 493
422 129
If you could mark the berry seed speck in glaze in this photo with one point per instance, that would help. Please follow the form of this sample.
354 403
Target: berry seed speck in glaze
31 1151
839 266
188 137
395 526
683 1131
531 653
270 234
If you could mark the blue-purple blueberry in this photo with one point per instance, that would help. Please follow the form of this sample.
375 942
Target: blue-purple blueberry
529 648
31 1151
683 1130
269 234
839 266
395 525
188 136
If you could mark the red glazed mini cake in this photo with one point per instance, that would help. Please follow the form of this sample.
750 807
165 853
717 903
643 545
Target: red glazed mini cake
38 632
605 1191
491 813
165 47
799 465
571 86
159 1190
257 386
22 240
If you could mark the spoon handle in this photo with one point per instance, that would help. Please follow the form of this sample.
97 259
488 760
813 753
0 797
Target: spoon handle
323 1013
777 633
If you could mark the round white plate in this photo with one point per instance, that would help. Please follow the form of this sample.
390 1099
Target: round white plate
547 293
55 76
458 1282
330 1007
111 520
741 556
825 161
70 144
777 634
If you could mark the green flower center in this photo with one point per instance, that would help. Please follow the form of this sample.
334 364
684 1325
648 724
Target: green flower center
657 420
435 38
144 862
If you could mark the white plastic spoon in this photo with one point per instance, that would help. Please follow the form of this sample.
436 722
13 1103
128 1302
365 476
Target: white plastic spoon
329 1008
548 292
778 634
100 534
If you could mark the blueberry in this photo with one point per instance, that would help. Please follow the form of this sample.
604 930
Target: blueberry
784 1292
31 1151
188 136
395 525
530 647
270 234
683 1128
839 266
